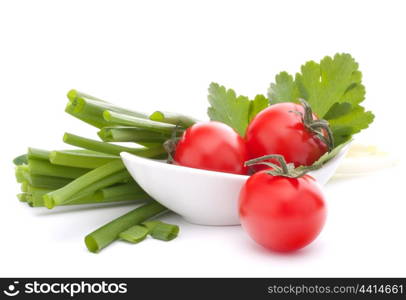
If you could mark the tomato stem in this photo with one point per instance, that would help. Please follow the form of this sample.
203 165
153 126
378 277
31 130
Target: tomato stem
316 126
170 144
284 169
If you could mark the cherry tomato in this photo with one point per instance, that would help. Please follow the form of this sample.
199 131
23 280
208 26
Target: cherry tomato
281 213
212 146
279 129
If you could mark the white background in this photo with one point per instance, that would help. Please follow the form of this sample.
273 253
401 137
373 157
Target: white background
150 55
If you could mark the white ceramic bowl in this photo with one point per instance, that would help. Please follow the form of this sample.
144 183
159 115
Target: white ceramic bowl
201 196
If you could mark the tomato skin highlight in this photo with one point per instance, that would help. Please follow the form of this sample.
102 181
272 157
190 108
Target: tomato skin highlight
279 130
212 146
282 214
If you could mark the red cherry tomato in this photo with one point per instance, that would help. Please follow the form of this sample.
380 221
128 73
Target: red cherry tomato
278 129
212 146
280 213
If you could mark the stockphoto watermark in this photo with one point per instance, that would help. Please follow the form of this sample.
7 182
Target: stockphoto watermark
36 287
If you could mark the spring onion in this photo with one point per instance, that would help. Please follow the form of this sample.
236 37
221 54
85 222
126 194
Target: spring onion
162 231
109 232
134 234
108 148
63 194
47 182
131 134
35 153
80 160
172 118
22 197
121 119
42 167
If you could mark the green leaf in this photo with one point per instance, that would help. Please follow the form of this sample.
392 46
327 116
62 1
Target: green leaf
284 90
334 91
326 83
20 160
235 111
338 110
355 94
321 84
259 103
346 125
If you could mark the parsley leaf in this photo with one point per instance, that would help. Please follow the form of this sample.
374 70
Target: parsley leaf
346 125
235 111
259 103
284 90
333 89
20 160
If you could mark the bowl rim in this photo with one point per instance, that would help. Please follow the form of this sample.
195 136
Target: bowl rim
129 156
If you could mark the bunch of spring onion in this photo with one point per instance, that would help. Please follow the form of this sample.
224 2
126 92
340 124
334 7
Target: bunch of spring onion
94 173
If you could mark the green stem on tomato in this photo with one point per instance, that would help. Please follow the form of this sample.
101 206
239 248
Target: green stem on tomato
120 119
109 232
108 148
80 160
88 180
